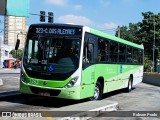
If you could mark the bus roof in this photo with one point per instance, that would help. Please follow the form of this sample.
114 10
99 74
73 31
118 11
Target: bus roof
56 24
111 37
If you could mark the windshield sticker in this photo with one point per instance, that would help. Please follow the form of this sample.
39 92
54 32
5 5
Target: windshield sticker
34 61
51 68
44 62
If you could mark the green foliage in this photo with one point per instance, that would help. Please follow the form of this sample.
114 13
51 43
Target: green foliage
147 64
19 53
130 33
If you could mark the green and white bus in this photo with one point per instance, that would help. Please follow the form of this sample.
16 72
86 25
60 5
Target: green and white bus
77 62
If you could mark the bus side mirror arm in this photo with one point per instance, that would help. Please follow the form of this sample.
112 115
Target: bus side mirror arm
17 44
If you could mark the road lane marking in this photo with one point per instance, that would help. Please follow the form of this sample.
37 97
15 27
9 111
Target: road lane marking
46 114
10 77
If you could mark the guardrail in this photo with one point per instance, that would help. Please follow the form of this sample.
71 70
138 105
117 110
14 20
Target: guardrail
151 78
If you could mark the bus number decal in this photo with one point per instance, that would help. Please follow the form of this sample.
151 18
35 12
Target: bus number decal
121 69
39 30
33 81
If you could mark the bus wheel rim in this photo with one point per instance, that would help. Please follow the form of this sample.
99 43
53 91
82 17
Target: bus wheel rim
96 93
130 86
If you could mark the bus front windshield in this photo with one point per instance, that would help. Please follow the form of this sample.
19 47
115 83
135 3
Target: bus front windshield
51 54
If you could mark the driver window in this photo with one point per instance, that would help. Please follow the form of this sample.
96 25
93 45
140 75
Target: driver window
88 53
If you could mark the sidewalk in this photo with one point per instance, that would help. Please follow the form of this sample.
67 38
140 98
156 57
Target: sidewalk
9 84
10 71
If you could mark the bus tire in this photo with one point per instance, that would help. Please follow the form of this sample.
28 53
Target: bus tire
24 95
97 92
130 83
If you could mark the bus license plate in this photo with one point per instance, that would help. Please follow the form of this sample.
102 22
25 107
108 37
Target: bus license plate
44 94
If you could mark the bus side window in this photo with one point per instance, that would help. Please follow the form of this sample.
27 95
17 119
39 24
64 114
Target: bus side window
103 46
135 56
129 54
122 52
113 51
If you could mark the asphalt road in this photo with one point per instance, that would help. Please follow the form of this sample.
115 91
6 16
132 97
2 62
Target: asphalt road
10 82
143 97
11 75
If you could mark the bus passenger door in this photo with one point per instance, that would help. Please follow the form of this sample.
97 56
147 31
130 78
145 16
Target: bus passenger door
88 72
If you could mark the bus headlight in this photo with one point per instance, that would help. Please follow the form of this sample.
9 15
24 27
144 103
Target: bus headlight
22 77
72 82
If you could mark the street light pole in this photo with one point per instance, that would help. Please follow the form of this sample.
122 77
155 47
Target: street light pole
154 43
16 43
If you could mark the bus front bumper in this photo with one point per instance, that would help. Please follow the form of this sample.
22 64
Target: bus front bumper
67 93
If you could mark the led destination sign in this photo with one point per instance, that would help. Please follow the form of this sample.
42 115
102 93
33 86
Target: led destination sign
55 30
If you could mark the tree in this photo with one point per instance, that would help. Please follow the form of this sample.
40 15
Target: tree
150 26
19 53
130 33
147 64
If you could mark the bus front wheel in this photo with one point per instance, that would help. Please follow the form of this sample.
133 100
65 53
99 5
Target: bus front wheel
97 92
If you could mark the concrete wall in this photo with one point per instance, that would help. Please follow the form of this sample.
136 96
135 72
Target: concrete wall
152 78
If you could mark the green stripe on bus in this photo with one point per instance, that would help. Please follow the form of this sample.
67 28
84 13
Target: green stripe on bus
105 35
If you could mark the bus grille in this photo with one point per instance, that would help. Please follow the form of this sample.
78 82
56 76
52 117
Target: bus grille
40 90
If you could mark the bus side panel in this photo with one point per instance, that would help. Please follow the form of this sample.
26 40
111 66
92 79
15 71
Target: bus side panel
70 93
117 76
109 73
124 72
138 75
87 83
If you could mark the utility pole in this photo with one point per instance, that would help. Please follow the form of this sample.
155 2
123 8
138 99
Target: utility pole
119 32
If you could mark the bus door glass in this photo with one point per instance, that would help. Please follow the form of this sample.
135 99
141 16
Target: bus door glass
89 55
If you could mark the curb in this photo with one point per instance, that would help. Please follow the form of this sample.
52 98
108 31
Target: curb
9 71
152 79
151 74
91 113
1 82
9 94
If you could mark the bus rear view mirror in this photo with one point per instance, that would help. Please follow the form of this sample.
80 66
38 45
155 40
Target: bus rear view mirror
17 44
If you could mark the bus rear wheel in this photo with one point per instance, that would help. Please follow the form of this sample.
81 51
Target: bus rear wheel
129 88
97 92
